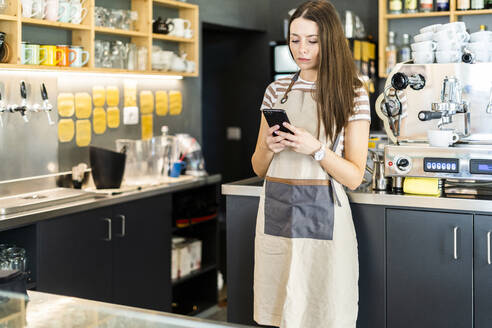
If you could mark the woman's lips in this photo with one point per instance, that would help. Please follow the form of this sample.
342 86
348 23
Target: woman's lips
303 59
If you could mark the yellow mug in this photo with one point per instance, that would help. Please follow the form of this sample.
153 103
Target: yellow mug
52 58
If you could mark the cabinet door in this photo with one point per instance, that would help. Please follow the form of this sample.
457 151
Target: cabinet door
429 269
370 230
483 271
74 257
142 253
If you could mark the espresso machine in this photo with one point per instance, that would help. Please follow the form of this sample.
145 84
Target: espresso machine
419 98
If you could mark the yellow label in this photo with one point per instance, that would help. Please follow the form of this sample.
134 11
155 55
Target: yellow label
112 96
83 105
365 51
357 50
98 95
99 120
161 103
130 93
175 102
65 104
372 50
146 102
147 126
371 145
113 116
66 129
83 133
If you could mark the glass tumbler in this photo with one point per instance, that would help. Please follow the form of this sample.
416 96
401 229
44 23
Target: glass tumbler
142 54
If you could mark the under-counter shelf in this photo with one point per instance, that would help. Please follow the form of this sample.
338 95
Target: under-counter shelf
194 274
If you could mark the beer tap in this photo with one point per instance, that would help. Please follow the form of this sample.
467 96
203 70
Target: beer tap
22 108
46 106
3 109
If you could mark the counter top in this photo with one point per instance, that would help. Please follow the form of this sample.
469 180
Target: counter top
27 217
49 310
252 187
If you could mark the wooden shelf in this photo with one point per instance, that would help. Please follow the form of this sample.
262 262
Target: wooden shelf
171 38
175 4
108 30
452 15
473 12
417 15
42 22
84 35
8 18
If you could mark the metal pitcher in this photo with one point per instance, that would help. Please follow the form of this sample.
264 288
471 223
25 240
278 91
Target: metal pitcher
379 181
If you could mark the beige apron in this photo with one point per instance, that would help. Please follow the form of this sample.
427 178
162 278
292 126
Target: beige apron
306 265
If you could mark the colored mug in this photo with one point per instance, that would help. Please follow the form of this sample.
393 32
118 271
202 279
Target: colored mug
52 10
78 53
77 12
52 58
64 10
66 54
26 53
39 6
36 52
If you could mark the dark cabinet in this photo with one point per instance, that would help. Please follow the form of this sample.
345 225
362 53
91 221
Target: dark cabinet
429 269
119 254
76 258
141 253
483 271
369 222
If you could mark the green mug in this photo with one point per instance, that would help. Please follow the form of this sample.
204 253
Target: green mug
36 52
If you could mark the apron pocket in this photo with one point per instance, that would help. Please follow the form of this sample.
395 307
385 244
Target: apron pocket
299 211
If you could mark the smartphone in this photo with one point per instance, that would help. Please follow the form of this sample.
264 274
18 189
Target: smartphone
277 117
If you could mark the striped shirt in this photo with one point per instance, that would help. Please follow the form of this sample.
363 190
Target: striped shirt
277 89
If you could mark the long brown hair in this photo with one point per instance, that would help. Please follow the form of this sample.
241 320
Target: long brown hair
337 76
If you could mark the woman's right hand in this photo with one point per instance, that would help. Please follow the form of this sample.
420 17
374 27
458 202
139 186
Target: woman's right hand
273 141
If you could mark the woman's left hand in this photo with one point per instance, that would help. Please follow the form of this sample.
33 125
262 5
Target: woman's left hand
300 141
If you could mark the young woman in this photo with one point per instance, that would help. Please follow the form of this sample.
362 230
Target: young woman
306 267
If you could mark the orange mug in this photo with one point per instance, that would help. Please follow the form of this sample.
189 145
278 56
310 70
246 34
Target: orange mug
66 59
51 58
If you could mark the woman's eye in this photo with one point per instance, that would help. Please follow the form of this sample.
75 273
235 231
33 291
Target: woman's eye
294 41
313 41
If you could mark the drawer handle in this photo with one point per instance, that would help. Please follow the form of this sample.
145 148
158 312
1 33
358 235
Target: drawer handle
123 225
109 229
455 234
488 248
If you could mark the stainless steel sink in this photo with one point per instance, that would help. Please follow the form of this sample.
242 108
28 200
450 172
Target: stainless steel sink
40 199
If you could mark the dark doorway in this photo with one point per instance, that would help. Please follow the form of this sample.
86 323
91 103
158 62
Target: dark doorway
236 71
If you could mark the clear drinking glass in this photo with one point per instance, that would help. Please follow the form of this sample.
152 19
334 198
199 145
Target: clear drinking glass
142 54
132 57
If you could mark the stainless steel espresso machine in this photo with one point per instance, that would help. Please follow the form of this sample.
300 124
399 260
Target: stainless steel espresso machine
449 99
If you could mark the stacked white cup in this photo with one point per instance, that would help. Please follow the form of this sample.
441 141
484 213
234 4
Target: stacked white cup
480 46
444 42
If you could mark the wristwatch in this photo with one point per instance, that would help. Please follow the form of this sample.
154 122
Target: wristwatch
320 154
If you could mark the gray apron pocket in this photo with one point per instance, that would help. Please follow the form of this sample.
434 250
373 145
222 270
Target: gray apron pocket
299 211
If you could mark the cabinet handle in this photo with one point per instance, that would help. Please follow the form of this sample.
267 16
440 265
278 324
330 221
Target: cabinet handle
109 230
455 233
123 225
488 248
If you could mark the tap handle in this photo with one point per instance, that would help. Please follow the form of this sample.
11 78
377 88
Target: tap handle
44 93
50 121
23 91
426 115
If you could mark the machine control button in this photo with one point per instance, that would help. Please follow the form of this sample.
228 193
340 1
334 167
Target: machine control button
433 166
439 166
403 164
429 166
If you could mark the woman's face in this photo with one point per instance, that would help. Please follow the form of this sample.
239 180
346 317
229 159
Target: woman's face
304 43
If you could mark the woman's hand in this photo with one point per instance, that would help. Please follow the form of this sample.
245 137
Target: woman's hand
273 140
300 141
